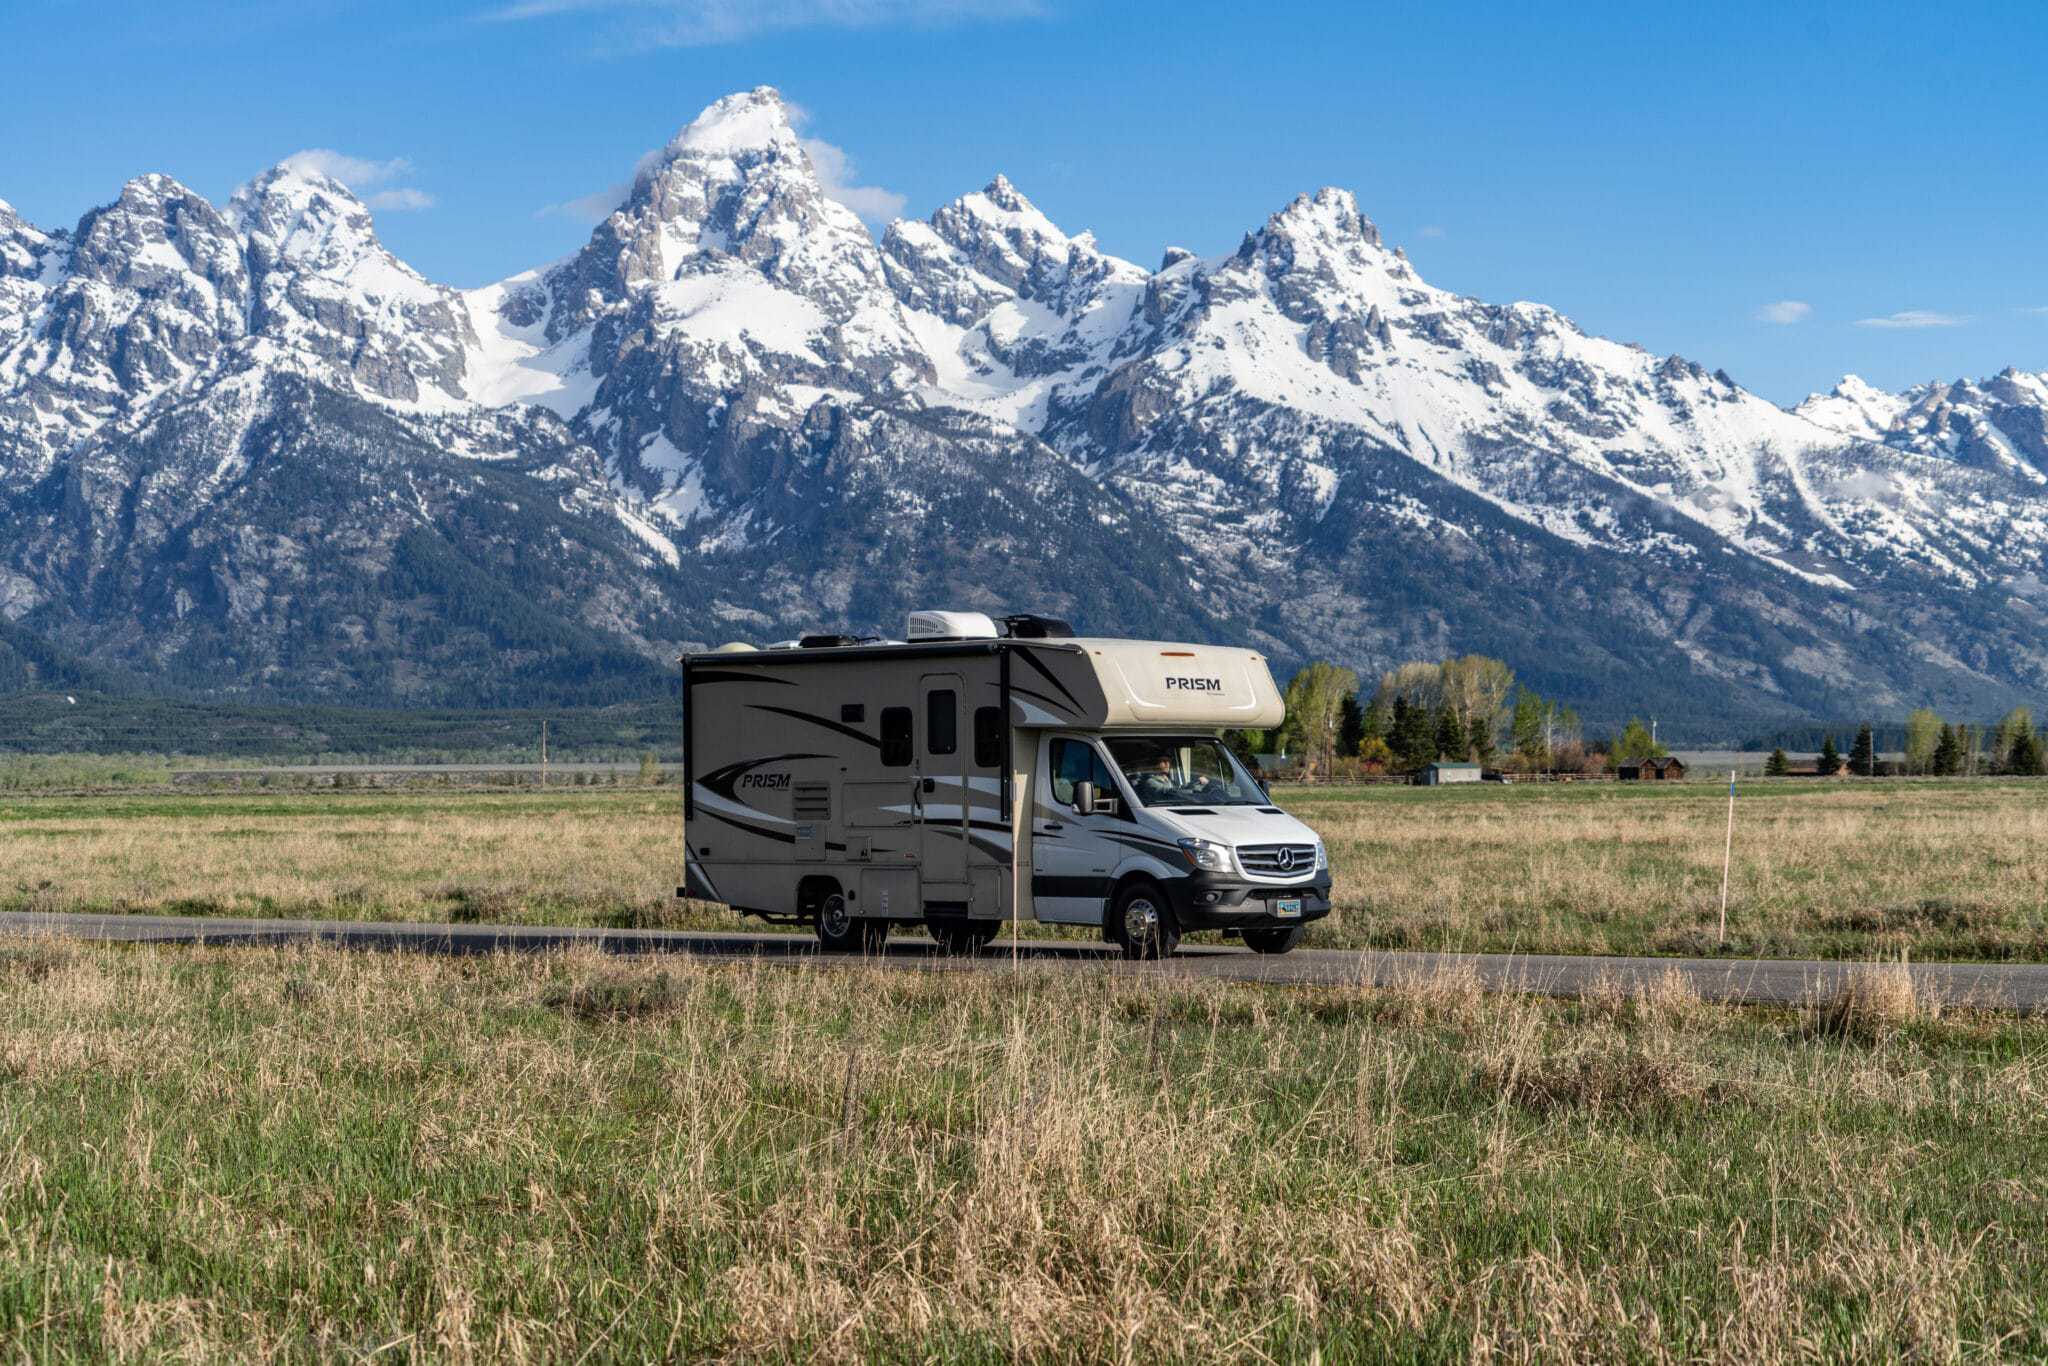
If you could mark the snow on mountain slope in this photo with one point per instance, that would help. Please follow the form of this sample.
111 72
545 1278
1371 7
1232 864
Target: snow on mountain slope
1999 424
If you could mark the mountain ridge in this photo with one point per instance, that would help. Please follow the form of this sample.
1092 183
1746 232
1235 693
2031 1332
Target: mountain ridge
734 411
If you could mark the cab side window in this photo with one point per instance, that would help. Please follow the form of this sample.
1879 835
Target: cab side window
1069 766
1075 761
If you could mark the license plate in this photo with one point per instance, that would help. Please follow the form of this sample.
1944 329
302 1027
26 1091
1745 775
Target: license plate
1291 906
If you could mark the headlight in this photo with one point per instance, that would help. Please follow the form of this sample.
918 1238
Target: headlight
1322 858
1212 858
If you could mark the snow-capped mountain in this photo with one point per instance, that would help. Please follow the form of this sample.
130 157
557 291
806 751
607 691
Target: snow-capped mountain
247 447
1999 424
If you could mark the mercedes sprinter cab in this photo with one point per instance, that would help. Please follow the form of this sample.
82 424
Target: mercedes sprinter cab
979 772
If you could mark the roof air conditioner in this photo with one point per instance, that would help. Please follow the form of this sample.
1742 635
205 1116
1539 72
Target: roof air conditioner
952 626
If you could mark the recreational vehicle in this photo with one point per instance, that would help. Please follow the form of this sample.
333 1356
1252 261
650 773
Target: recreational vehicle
979 771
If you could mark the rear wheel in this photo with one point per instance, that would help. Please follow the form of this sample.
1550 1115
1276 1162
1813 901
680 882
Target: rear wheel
1278 939
839 931
1144 924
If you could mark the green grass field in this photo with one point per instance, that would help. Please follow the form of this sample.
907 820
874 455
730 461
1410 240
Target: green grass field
214 1154
1829 869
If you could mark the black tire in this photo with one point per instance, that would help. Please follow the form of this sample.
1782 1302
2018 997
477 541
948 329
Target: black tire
1144 926
1275 939
839 929
963 938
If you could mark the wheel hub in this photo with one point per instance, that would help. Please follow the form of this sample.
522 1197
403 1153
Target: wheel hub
1141 920
832 916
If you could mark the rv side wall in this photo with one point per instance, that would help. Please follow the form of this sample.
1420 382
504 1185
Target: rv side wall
882 779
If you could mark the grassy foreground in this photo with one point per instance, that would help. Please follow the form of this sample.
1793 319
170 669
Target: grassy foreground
211 1154
1835 869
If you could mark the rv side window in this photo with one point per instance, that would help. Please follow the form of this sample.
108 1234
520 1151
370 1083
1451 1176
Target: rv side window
896 737
941 721
988 737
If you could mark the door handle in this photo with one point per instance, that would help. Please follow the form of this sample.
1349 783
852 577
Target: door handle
1051 826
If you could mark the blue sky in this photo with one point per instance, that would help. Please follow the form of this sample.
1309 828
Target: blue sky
1663 174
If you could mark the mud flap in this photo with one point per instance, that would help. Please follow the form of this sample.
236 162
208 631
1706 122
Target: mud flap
697 884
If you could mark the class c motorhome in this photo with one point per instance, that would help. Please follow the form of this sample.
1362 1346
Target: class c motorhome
978 772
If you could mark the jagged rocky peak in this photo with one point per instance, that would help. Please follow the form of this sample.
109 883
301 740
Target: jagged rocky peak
326 286
733 188
1854 408
23 246
157 230
1329 213
992 245
295 213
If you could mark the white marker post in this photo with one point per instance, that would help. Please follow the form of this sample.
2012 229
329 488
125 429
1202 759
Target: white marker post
1727 855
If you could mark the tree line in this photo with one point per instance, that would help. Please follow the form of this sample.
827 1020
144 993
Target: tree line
1934 747
1470 709
1463 710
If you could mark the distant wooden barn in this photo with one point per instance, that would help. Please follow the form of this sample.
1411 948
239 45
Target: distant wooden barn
1669 768
1436 775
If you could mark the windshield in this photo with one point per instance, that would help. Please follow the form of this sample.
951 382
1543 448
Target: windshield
1179 770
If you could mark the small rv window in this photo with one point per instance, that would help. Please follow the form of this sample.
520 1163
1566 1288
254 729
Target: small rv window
988 737
941 721
853 713
896 737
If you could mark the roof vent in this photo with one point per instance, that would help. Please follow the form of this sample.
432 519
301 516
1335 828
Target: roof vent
1031 626
952 626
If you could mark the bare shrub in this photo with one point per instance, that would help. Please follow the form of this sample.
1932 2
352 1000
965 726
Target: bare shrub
1873 1002
1604 1080
616 997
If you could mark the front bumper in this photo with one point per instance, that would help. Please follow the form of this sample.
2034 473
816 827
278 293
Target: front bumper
1224 901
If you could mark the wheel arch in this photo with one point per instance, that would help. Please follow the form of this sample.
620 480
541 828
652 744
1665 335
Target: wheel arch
811 891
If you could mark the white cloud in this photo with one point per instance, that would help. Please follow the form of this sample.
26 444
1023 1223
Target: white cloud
402 200
1429 230
592 208
1785 312
706 23
1914 317
363 176
354 172
2040 312
836 176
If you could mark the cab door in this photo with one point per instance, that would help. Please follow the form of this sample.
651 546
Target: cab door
940 800
1072 856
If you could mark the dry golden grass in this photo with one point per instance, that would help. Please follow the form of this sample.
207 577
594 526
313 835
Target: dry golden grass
1839 870
227 1154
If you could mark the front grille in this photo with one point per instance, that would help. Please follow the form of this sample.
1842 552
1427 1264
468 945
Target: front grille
1278 860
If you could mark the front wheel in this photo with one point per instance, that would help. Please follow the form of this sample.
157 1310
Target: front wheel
1143 923
1278 939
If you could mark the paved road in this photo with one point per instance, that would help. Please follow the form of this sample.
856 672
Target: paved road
2022 987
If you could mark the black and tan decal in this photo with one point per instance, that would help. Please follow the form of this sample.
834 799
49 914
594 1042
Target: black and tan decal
723 780
1072 703
793 714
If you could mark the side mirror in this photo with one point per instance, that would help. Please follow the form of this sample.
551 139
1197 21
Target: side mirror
1084 798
